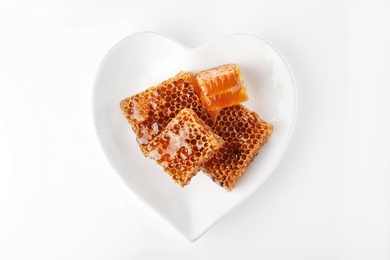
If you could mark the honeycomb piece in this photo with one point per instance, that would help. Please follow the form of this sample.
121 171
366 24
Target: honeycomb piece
150 111
183 146
244 132
220 87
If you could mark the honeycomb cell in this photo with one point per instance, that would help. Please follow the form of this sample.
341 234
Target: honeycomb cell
183 146
232 159
220 87
150 111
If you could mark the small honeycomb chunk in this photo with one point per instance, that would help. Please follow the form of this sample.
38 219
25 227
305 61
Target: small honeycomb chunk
150 111
220 87
183 146
244 132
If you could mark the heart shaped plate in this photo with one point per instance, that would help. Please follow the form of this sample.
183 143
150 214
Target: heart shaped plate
145 59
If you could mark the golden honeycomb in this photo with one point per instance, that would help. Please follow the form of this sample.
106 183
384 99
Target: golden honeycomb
184 144
150 111
244 132
220 87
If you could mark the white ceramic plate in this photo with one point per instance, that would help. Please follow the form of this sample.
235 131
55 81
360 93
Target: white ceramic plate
145 59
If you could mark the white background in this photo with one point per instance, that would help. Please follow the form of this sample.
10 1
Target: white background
329 198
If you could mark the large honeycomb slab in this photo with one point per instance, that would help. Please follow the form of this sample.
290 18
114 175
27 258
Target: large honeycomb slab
244 132
150 111
220 87
183 146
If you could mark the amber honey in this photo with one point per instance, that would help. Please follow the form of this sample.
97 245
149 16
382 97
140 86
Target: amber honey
220 87
244 132
190 123
183 146
150 111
